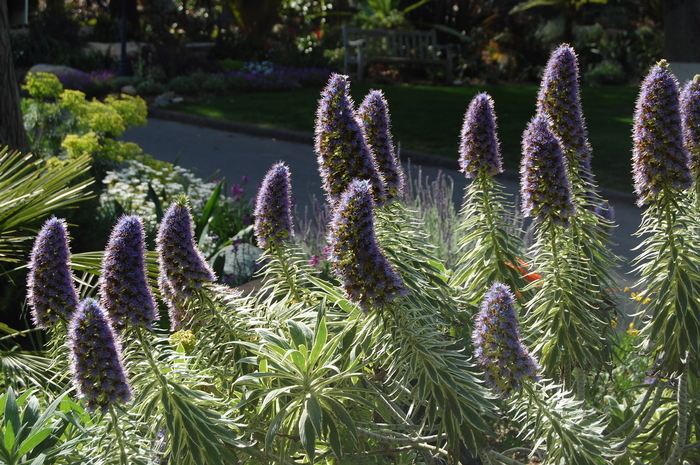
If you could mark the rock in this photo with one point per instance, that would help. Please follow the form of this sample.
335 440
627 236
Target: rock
164 99
240 260
177 100
128 90
52 69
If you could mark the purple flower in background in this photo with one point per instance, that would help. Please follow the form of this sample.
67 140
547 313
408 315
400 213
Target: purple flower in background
690 118
659 157
373 116
95 358
314 261
237 192
50 291
365 273
340 144
498 345
544 181
124 291
183 269
273 208
479 149
559 100
244 179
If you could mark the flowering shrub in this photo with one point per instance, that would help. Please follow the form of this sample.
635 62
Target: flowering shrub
401 353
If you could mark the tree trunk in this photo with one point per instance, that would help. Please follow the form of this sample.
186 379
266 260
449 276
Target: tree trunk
12 132
682 31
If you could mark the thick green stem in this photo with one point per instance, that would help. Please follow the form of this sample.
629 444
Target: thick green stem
635 415
580 380
120 440
645 421
682 425
289 276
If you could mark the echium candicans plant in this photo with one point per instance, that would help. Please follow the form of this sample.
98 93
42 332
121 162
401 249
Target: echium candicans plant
96 360
51 294
690 118
568 334
340 144
484 210
183 269
667 275
373 116
125 293
365 274
273 208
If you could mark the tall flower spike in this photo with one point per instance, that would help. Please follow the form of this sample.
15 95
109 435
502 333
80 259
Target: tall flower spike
498 346
273 208
690 117
50 290
544 182
124 291
95 358
359 263
659 157
373 116
340 144
479 149
183 269
559 100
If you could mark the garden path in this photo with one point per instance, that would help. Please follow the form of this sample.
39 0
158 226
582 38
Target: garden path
215 153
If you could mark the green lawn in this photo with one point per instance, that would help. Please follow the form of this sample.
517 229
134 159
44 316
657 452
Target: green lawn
429 119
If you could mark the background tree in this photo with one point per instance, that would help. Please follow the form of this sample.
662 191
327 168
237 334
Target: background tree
682 31
12 131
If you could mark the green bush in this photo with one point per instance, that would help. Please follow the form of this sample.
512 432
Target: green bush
605 73
214 84
150 87
184 85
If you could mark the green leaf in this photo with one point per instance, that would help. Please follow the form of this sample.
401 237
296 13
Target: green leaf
273 428
319 342
307 435
313 409
9 439
301 334
208 210
33 440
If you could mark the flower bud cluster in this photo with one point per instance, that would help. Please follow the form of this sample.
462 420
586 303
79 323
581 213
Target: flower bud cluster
273 208
690 117
479 149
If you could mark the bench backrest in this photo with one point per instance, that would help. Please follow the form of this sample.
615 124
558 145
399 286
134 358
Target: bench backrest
419 45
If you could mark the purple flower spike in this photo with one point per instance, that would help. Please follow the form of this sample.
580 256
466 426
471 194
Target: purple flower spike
498 346
183 269
544 182
273 208
373 116
96 360
359 263
560 102
690 117
340 144
480 150
659 157
124 291
50 290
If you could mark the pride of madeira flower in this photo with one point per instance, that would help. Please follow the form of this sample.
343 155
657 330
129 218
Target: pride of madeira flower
124 290
96 360
498 346
364 272
183 269
660 160
50 291
273 208
544 182
340 144
373 116
690 117
479 148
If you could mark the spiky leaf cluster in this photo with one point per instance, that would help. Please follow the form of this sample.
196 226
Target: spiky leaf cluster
95 356
373 116
364 271
544 182
273 208
124 291
479 149
498 345
660 160
50 291
340 144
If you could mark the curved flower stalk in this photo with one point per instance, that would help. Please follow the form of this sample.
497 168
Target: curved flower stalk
273 208
365 273
51 294
341 145
690 119
660 161
666 265
499 348
485 208
183 269
96 360
373 116
124 291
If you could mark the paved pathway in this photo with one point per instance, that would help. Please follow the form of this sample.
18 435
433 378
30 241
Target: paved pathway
220 153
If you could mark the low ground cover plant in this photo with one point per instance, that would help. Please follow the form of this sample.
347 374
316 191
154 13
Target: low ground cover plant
396 356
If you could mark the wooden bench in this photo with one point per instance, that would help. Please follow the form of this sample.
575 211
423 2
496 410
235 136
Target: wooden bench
364 46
